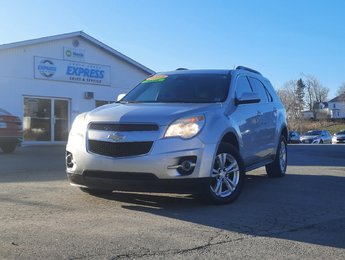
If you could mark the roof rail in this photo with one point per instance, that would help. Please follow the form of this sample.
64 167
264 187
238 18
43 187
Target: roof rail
248 69
181 69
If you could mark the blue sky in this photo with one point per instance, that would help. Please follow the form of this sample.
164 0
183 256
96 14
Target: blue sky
282 39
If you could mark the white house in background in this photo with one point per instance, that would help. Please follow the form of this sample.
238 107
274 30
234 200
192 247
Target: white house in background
48 81
320 111
337 106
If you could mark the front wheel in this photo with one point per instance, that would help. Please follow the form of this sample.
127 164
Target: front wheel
278 167
228 175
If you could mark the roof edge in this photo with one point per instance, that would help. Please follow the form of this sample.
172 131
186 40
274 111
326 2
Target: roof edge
82 35
340 98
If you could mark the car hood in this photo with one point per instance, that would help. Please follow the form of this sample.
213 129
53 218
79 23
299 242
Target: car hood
310 136
161 114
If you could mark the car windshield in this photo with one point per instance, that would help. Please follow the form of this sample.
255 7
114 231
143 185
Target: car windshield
341 132
316 132
181 88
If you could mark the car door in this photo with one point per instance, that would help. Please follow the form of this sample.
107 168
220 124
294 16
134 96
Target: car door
268 118
246 118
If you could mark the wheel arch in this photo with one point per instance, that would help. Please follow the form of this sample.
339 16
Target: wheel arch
230 138
284 131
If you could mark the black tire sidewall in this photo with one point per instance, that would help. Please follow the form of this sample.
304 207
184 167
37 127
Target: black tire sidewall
8 147
274 169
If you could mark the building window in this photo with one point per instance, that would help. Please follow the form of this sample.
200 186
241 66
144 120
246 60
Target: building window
99 103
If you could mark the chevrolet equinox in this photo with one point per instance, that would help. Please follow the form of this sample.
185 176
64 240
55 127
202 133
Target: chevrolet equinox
185 130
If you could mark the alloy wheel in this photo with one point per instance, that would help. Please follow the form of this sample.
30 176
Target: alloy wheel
226 175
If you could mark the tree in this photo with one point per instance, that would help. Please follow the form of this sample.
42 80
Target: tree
315 91
288 97
299 94
341 89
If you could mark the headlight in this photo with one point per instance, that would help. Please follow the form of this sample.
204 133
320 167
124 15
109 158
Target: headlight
186 127
78 126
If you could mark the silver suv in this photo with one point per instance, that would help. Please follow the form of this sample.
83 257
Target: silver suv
186 130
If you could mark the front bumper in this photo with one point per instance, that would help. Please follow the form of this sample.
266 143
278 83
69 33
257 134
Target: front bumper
310 141
131 182
153 171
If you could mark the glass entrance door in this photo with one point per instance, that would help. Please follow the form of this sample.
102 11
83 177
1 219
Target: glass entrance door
45 119
61 108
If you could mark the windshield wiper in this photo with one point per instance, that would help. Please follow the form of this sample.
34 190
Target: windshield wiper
128 102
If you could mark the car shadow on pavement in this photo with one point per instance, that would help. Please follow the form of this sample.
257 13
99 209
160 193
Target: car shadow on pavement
292 208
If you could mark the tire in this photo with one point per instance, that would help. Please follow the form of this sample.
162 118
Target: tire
226 182
96 192
8 147
278 167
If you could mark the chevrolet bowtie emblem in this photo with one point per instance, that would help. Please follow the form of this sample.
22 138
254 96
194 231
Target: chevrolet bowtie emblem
116 137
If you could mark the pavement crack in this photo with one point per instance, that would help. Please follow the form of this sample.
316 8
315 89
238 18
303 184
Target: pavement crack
179 251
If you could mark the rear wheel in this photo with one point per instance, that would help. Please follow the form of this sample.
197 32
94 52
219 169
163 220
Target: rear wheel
278 167
8 147
227 175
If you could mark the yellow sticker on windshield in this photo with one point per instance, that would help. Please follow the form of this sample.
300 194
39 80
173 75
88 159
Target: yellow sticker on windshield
155 78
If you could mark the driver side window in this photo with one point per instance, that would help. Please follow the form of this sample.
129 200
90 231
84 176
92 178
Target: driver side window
242 86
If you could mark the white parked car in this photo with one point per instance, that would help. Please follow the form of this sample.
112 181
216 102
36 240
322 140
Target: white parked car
339 137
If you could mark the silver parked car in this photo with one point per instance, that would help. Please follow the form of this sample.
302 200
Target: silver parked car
339 137
316 137
189 130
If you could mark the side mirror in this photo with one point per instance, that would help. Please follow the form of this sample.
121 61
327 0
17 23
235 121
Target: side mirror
247 98
121 96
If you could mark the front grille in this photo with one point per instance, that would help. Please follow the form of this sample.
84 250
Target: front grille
307 141
119 149
123 127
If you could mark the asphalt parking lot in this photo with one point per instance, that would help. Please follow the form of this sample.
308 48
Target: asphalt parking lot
300 216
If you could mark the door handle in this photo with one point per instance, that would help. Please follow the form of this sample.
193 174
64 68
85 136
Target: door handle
275 111
258 116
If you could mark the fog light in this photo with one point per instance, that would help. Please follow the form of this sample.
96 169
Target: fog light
69 160
185 165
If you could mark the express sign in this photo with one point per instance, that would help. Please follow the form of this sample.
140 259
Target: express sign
63 70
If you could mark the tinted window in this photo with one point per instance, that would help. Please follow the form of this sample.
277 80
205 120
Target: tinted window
181 88
260 89
242 86
270 90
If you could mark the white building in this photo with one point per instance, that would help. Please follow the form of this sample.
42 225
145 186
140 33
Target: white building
48 81
337 106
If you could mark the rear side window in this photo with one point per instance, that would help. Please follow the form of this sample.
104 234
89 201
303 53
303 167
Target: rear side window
242 86
261 90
